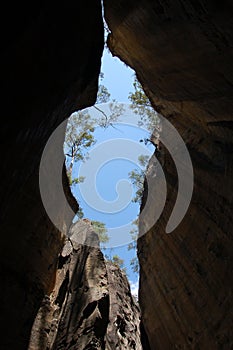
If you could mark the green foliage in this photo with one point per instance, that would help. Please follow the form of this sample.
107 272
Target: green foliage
104 120
149 119
103 95
116 260
134 233
143 160
139 98
134 264
141 105
133 245
80 213
101 230
69 178
81 126
79 135
137 178
78 180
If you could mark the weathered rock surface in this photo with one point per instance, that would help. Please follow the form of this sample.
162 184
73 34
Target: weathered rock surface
182 53
123 330
91 306
50 62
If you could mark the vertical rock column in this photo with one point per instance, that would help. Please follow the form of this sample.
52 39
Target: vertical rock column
91 306
123 330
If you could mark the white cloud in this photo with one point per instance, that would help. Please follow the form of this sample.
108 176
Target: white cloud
134 288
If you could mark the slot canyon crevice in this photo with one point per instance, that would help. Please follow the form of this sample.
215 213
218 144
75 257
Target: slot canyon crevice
182 54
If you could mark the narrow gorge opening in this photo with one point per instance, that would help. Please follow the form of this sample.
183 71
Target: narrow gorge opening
107 148
57 292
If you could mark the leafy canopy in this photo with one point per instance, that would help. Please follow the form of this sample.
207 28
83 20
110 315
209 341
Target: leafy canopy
101 230
149 119
81 127
137 177
141 105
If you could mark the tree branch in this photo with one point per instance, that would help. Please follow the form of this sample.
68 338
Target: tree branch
105 115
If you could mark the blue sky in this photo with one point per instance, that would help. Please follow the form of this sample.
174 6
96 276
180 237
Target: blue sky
118 78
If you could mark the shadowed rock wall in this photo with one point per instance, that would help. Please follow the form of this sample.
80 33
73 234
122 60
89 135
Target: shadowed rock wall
182 54
50 62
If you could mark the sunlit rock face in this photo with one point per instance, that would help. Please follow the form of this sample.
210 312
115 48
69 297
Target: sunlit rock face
91 306
50 62
182 54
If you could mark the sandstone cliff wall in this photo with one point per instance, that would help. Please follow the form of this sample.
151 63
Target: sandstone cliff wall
182 54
